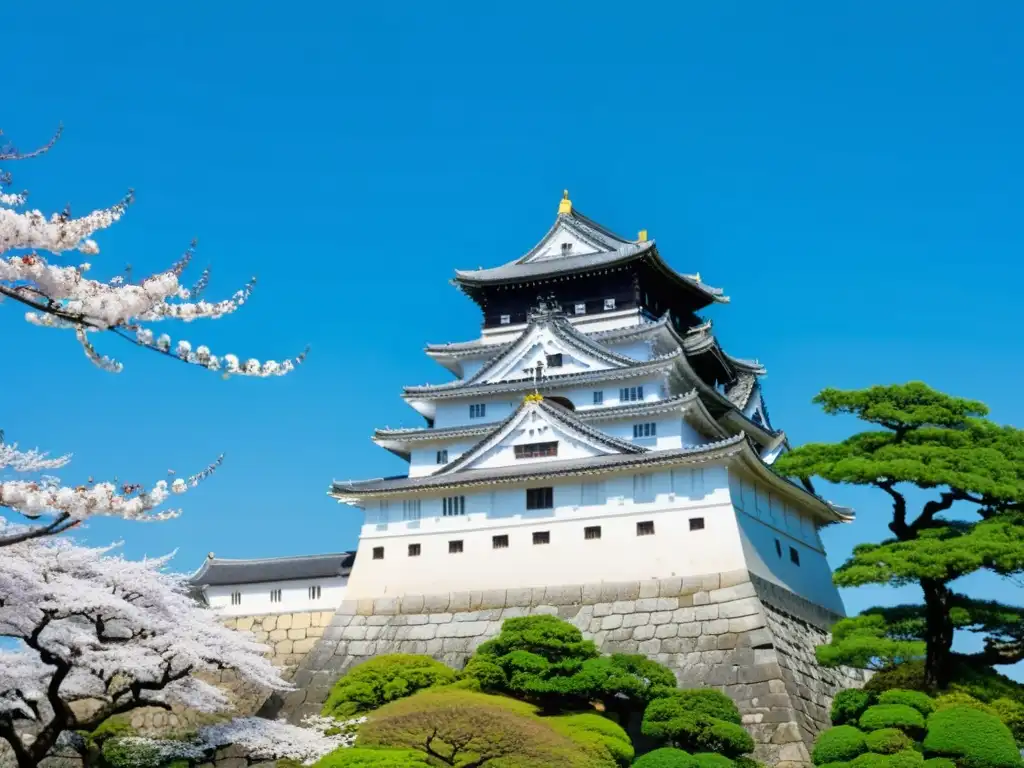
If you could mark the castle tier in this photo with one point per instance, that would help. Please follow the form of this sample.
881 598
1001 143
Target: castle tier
599 456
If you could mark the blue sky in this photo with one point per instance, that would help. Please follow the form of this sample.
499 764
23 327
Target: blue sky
850 172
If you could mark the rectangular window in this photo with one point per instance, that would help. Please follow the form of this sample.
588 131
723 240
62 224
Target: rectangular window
631 394
275 595
506 319
778 548
696 523
442 456
236 598
314 592
598 398
411 509
646 528
455 547
536 450
378 553
581 309
414 550
592 532
540 498
647 429
451 506
794 556
609 304
643 488
500 541
477 410
554 361
542 537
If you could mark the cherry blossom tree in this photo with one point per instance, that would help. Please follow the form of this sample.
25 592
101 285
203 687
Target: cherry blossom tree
100 635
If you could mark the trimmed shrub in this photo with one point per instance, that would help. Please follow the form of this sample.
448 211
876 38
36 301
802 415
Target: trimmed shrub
838 745
971 738
596 734
684 722
712 760
939 762
888 741
958 699
922 702
900 716
356 757
666 757
373 683
707 702
849 705
1012 714
869 760
907 758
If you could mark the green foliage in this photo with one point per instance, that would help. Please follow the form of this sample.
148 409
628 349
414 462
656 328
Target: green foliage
972 738
373 683
887 741
287 762
712 760
701 720
666 757
596 734
1011 714
356 757
121 752
867 642
907 676
849 705
900 716
838 745
182 763
922 702
939 762
908 758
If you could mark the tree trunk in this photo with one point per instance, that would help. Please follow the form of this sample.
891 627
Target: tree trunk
938 633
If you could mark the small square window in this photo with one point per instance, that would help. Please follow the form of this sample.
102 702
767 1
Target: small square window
442 456
581 309
778 548
477 410
598 398
455 547
414 550
452 506
540 498
566 249
794 556
592 532
609 304
506 319
236 598
645 528
554 361
378 553
541 537
275 595
647 429
696 523
500 541
314 592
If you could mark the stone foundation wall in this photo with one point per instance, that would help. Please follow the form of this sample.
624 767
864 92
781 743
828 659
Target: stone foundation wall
733 631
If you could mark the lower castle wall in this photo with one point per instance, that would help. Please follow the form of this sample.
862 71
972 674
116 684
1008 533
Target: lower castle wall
734 631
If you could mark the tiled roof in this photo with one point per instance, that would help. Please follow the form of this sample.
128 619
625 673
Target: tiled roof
220 572
739 393
598 236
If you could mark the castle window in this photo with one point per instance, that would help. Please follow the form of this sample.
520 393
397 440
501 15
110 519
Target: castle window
609 304
581 309
631 394
500 541
411 509
696 523
566 249
452 506
592 532
536 450
598 398
647 429
236 598
477 410
778 548
378 553
414 550
455 547
314 592
643 488
646 528
506 319
275 595
542 537
555 360
794 556
442 456
540 498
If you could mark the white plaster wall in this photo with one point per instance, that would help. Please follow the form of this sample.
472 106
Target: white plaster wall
423 461
294 596
637 350
455 413
619 555
470 367
673 432
590 323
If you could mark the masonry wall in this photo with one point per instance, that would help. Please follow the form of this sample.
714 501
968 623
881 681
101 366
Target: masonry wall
733 631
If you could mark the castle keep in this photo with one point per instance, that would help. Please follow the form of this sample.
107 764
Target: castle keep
599 456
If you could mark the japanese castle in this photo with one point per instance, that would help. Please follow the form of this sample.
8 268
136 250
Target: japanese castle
595 431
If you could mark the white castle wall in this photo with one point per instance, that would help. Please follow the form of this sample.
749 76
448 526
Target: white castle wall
255 598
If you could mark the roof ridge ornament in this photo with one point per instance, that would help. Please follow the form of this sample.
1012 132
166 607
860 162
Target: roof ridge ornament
565 204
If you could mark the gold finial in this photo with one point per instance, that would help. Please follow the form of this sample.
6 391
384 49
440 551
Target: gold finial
642 237
534 398
697 277
565 204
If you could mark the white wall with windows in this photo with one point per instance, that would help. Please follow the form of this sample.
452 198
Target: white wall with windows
278 596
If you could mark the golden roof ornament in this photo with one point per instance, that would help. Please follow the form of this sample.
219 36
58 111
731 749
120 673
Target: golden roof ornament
536 397
642 236
565 204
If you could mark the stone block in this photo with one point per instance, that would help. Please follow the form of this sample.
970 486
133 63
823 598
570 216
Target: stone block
746 623
611 622
689 629
353 633
759 673
623 646
323 619
296 634
755 637
567 595
668 603
649 647
670 587
269 623
347 608
244 623
379 621
283 647
304 646
642 633
364 607
591 593
440 618
746 606
705 612
661 617
707 643
277 634
385 606
649 588
514 612
316 632
678 645
411 604
636 619
685 601
594 625
644 604
716 627
492 598
732 578
684 615
417 619
735 592
302 620
616 635
459 601
701 598
602 609
519 597
436 603
544 610
374 632
665 630
710 581
362 648
727 641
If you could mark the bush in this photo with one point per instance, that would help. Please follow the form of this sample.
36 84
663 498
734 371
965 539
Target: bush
922 702
1011 713
130 753
373 683
972 738
596 734
838 745
869 760
849 705
666 757
712 760
907 758
355 757
702 720
900 716
888 741
939 762
908 676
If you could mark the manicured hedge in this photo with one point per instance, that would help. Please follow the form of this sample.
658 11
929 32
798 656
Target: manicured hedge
901 716
373 683
838 745
888 741
849 705
354 757
922 702
972 738
666 757
712 760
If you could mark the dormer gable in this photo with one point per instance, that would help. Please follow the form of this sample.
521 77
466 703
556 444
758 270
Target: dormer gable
573 234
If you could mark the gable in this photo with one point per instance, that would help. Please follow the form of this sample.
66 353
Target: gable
561 241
